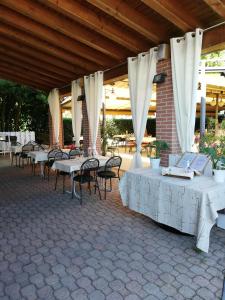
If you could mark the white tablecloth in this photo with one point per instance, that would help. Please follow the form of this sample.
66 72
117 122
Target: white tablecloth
188 205
5 146
73 165
16 149
23 137
41 156
38 156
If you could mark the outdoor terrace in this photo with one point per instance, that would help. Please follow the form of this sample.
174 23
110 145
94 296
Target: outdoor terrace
53 248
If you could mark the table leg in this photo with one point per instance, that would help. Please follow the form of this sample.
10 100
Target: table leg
76 195
42 168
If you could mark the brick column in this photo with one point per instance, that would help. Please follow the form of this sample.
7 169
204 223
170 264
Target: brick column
165 112
51 132
86 131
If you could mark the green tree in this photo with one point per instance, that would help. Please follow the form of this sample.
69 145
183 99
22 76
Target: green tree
214 55
23 108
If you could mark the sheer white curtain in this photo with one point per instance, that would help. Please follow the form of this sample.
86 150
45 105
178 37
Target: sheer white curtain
54 106
93 85
76 111
141 71
185 57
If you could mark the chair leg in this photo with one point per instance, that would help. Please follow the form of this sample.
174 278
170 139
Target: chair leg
64 184
72 189
110 184
97 186
105 188
89 187
48 173
81 200
56 179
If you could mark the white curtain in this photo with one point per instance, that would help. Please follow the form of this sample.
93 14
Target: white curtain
141 71
76 111
185 58
54 106
93 85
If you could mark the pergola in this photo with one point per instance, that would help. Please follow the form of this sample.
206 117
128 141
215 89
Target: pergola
48 43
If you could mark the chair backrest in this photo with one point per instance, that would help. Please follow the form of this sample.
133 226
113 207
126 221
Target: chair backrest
52 153
91 164
115 141
27 147
113 162
61 155
74 153
38 147
13 138
55 146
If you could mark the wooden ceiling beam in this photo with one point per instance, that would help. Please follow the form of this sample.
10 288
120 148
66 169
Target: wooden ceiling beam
58 65
101 24
218 6
28 83
137 21
68 27
174 11
214 39
17 60
55 38
23 77
80 64
32 62
31 74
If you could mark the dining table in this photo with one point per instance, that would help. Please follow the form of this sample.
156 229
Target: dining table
190 206
71 166
41 156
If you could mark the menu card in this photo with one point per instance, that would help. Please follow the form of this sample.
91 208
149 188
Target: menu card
194 161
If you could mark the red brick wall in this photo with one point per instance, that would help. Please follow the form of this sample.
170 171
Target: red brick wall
165 112
86 131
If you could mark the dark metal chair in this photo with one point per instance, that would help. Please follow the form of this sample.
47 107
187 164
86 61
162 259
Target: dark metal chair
24 154
50 162
74 153
15 154
114 147
106 173
13 140
36 147
87 174
129 144
61 156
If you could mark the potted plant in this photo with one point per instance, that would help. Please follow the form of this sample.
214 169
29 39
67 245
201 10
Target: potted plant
157 146
214 146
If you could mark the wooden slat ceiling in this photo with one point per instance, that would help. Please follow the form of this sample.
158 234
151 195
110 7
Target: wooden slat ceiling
48 43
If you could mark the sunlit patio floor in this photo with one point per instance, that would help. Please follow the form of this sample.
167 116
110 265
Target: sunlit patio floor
52 248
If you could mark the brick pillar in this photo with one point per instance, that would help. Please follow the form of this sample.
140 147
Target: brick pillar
51 132
165 112
86 131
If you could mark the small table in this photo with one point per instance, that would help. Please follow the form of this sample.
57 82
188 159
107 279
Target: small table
190 206
73 165
39 157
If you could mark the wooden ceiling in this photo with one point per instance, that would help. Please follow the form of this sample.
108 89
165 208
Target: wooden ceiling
49 43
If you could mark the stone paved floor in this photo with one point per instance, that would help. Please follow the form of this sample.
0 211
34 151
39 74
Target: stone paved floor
52 248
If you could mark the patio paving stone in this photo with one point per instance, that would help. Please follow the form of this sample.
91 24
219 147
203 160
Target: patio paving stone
52 248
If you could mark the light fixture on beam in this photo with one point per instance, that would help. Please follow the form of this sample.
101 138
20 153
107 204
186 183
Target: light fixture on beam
213 102
221 102
111 93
